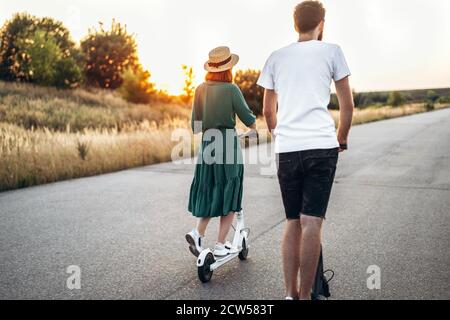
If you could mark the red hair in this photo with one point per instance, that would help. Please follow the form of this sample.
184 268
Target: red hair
223 76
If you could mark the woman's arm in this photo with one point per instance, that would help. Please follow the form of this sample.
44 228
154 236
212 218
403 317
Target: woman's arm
193 118
196 118
241 108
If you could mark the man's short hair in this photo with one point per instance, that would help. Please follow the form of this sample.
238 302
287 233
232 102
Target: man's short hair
308 15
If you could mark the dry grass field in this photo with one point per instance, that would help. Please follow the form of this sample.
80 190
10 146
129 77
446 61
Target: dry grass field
48 135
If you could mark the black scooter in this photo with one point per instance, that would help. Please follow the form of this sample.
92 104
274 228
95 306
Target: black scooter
321 288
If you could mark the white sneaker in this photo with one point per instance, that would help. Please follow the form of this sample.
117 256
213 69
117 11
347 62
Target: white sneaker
230 248
195 242
220 250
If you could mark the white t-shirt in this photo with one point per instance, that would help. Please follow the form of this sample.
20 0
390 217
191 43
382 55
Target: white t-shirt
301 75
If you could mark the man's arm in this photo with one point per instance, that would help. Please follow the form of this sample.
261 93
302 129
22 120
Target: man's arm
270 109
346 107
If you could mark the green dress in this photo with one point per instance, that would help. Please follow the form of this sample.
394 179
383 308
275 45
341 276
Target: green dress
216 189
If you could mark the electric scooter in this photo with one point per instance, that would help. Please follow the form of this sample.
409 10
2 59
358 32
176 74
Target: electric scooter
321 288
206 261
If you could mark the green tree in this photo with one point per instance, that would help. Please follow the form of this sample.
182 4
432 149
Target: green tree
246 81
367 100
432 96
67 73
358 99
136 86
46 64
189 87
334 103
444 99
11 55
18 34
379 98
429 105
43 54
396 99
108 53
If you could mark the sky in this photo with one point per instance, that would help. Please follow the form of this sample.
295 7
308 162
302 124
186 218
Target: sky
389 44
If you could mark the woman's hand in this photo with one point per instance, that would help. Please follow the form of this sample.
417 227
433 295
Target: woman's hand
252 133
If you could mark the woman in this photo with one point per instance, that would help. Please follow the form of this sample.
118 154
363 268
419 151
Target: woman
216 190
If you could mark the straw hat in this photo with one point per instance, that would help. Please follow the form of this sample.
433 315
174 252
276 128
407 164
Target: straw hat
221 59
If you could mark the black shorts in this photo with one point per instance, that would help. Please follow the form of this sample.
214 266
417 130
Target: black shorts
306 179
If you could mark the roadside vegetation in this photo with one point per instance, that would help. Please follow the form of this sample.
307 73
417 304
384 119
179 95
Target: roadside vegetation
49 135
70 110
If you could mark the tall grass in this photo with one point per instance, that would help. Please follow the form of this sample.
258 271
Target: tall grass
37 156
39 107
48 135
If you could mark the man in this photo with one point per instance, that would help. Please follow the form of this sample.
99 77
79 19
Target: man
297 81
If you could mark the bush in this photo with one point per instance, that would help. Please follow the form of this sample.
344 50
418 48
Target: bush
444 99
67 74
334 103
358 98
17 36
368 99
47 65
396 99
136 86
108 53
432 96
43 54
254 94
361 99
429 105
11 55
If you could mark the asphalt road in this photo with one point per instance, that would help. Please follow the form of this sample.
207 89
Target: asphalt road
390 207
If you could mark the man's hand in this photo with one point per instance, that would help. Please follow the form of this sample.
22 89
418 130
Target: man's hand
346 107
343 147
343 143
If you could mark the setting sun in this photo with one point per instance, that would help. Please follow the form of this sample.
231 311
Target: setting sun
382 39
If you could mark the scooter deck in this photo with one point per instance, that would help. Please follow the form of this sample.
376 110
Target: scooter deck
222 260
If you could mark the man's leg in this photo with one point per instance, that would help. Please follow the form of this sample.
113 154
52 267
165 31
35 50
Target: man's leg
291 185
291 257
320 168
311 229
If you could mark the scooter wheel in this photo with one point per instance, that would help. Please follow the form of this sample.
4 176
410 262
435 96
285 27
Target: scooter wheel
204 271
244 252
